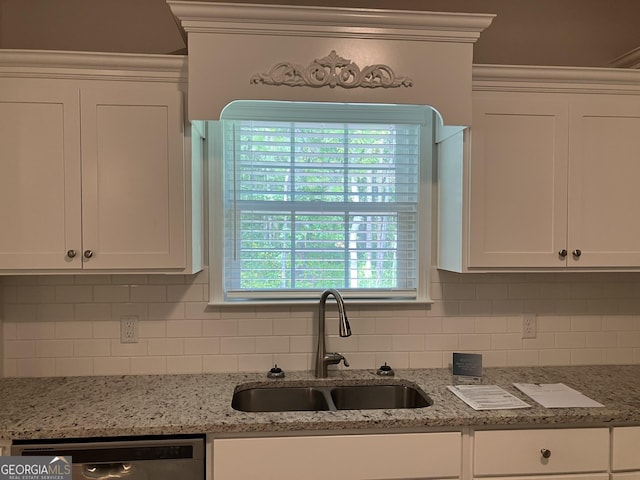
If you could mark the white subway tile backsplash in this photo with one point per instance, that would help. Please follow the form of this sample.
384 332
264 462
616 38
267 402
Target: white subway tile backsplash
148 293
73 294
586 356
555 357
255 362
111 293
202 346
272 344
163 311
184 364
69 367
106 329
255 327
34 367
237 345
70 325
92 311
92 348
111 366
165 346
184 328
54 348
219 363
74 329
34 330
19 349
147 365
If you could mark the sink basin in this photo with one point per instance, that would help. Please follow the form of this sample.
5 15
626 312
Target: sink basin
281 399
329 397
366 397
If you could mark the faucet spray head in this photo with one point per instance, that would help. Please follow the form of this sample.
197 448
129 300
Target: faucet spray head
345 328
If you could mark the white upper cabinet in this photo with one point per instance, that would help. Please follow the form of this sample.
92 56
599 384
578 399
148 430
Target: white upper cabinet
96 167
549 174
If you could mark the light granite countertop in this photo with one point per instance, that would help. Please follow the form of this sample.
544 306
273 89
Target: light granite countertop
108 406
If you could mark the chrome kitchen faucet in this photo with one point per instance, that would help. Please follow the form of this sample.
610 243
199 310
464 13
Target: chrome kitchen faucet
324 358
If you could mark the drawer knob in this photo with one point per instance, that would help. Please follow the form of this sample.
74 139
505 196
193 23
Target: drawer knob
562 253
546 453
576 253
71 253
88 253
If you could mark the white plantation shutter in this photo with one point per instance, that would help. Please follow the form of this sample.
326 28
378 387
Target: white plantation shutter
321 196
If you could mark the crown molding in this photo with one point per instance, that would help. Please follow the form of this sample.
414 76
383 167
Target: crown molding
555 79
630 59
239 18
113 66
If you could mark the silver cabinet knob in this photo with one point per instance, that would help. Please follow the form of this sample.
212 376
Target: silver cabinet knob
576 253
71 253
88 253
563 253
546 453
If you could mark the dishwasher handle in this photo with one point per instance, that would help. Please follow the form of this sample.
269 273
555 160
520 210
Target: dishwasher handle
104 471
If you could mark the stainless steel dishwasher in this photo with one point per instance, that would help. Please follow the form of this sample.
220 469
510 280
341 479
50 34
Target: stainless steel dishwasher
147 458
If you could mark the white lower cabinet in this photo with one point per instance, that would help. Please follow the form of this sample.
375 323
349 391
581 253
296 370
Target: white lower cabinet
550 454
625 453
364 457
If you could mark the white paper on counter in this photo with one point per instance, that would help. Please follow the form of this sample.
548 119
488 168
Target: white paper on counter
487 397
556 395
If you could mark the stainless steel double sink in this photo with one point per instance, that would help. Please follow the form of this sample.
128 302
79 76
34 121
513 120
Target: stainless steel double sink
322 397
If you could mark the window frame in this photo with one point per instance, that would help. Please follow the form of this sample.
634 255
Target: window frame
328 112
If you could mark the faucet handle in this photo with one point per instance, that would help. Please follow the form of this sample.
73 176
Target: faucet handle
335 358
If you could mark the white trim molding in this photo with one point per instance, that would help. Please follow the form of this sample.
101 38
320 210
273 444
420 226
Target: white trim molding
516 78
238 18
229 42
628 60
92 65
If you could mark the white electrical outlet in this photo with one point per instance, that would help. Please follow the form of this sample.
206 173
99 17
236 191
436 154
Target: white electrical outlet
129 329
529 325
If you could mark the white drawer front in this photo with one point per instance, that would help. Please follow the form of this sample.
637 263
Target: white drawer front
626 476
363 457
519 452
626 448
583 476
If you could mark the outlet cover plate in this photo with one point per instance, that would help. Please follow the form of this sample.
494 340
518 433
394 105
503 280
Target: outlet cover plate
129 329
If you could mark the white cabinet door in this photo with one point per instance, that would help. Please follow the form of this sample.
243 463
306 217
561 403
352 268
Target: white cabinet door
518 181
583 476
625 449
604 169
362 457
39 175
133 177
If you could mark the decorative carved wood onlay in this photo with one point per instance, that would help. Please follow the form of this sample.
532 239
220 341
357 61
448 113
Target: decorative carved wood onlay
332 71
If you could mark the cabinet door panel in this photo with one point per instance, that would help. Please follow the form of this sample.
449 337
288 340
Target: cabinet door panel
593 476
625 448
133 178
518 172
39 176
603 182
363 457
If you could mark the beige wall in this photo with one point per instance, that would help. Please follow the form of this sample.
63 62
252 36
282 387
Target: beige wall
69 325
